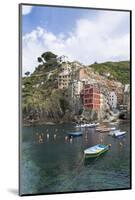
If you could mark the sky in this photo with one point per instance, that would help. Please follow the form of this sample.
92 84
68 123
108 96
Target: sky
86 35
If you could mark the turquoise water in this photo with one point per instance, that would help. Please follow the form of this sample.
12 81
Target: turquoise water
56 164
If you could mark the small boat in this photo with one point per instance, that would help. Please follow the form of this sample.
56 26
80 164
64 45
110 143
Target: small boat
117 133
100 128
89 125
111 133
96 150
75 133
112 128
106 129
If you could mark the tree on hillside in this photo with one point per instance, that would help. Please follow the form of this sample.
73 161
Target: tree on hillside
27 73
40 60
47 56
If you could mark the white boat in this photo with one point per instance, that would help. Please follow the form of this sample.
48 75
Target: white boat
117 133
89 125
111 133
113 128
121 133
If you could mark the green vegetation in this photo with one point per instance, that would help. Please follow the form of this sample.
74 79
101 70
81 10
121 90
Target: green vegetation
119 71
47 56
41 98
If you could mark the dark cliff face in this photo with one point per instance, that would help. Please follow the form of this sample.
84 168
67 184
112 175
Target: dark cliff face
51 106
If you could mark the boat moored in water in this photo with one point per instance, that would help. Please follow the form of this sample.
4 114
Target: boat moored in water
96 150
111 133
75 133
117 133
105 129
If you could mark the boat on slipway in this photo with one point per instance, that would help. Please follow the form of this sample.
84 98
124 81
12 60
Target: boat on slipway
96 151
88 125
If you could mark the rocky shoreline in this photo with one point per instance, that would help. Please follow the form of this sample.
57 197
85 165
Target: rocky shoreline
85 117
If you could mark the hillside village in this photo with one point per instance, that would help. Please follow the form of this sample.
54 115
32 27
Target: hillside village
61 91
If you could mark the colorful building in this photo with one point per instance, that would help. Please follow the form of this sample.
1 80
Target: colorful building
103 101
74 89
112 99
64 79
91 97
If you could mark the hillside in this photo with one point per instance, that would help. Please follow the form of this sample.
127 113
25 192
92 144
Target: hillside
119 71
43 101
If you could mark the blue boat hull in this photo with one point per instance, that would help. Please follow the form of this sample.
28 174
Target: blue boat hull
75 134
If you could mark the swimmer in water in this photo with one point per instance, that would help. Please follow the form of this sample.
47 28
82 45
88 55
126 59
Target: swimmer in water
47 136
54 136
40 139
66 137
71 139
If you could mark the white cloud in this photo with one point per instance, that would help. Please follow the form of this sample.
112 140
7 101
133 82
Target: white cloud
91 40
26 9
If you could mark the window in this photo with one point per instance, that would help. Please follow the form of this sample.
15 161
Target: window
85 100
